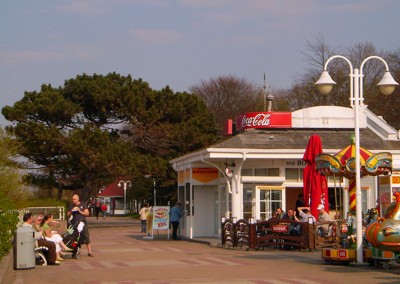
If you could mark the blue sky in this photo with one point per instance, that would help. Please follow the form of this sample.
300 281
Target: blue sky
178 42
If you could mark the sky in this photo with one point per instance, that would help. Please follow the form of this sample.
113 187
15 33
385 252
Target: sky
178 43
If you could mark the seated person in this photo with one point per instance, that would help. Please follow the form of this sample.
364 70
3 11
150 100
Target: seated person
304 214
51 235
323 216
50 253
280 214
293 227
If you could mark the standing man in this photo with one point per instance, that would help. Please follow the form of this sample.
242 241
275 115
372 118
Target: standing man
143 214
79 212
175 216
50 253
299 201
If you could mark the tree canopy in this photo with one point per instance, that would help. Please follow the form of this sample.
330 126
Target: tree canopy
304 93
96 128
228 97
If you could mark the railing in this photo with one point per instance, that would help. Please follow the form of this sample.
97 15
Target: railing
332 234
278 233
57 211
284 233
236 233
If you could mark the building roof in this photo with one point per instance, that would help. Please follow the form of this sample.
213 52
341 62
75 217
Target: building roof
291 138
290 143
112 190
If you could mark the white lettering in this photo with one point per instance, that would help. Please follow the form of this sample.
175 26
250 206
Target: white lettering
261 119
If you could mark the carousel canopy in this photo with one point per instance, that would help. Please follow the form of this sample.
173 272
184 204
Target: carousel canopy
343 162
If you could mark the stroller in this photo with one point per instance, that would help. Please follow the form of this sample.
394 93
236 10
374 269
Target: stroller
72 237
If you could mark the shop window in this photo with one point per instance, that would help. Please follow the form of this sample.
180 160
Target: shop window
273 172
267 172
260 172
292 175
247 172
270 200
247 203
364 200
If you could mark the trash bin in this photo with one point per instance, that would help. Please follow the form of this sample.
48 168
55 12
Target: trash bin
24 248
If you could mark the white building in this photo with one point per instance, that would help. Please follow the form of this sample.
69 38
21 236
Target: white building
252 173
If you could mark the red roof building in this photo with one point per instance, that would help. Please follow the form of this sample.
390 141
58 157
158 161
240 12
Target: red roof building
113 197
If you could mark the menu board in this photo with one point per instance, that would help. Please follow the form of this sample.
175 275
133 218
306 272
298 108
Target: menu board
160 217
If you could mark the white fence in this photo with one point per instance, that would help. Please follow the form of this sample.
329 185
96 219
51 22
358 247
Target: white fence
57 211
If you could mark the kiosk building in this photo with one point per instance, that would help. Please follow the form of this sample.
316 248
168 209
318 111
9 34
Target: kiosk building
250 174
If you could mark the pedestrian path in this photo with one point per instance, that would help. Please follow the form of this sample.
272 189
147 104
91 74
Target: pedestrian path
123 256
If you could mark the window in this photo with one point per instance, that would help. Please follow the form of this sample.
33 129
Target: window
294 175
364 200
260 172
270 172
247 172
273 172
270 199
247 203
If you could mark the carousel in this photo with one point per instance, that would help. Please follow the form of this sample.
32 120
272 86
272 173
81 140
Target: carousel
378 245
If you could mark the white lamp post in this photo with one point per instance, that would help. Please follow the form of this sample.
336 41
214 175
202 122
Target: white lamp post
126 184
387 85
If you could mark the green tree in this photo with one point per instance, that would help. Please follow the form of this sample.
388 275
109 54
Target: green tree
11 190
96 128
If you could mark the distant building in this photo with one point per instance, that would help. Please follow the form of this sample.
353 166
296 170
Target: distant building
113 197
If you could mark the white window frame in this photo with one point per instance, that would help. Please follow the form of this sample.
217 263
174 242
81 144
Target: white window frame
258 201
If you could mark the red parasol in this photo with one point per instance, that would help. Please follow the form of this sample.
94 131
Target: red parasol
315 188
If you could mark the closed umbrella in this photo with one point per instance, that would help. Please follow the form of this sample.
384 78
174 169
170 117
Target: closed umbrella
315 188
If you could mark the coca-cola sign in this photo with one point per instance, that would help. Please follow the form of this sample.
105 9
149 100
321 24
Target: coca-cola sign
264 120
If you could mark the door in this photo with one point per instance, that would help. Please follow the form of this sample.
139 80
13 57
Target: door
203 208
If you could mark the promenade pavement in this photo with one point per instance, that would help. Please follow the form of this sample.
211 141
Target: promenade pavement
123 256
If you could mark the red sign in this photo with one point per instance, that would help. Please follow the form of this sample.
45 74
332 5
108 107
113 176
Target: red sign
280 228
264 120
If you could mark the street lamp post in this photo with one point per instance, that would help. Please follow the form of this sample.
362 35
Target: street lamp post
387 86
125 185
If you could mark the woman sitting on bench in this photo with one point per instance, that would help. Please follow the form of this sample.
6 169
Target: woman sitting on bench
52 235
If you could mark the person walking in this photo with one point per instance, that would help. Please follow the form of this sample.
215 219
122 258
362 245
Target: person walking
175 216
149 224
97 210
104 210
143 213
79 211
